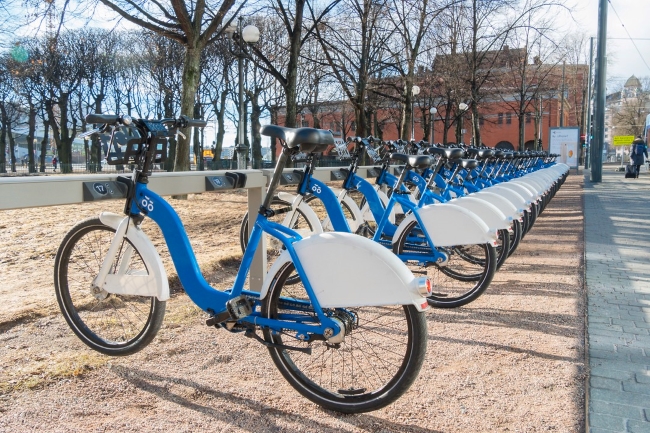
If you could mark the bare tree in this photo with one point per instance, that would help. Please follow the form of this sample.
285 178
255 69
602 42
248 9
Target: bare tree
480 30
629 117
193 25
354 44
296 30
523 83
413 21
217 85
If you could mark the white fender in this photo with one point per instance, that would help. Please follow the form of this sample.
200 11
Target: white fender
542 176
490 214
563 166
346 270
525 192
512 195
307 211
541 179
151 281
533 185
506 206
449 225
356 220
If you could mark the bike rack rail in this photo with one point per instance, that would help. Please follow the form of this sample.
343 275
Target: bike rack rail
41 191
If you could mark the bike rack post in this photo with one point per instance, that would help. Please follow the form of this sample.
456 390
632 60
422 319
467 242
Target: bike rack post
258 267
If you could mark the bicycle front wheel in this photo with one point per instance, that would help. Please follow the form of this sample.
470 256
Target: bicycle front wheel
108 323
461 279
515 237
376 363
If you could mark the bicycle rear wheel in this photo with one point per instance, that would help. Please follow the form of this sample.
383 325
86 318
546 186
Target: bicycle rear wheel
377 362
464 277
111 324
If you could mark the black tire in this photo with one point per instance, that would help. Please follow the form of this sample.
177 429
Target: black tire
466 275
377 362
111 324
503 247
515 236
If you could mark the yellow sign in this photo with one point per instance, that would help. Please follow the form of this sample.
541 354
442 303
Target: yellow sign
623 140
207 154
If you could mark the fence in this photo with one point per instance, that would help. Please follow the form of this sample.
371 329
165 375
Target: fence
22 167
18 192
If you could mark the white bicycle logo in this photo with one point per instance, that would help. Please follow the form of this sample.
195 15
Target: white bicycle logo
316 189
147 203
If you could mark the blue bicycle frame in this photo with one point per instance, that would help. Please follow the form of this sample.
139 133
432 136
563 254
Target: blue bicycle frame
212 300
381 214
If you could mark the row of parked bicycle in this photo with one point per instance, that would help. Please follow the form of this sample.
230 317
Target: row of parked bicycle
452 214
341 314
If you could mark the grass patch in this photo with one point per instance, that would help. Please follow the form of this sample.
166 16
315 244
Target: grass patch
38 373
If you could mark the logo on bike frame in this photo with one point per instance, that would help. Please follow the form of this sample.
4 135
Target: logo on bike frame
147 204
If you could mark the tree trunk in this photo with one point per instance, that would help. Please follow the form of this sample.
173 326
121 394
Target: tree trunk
44 143
168 108
191 77
3 138
292 67
256 112
221 114
198 149
30 136
12 146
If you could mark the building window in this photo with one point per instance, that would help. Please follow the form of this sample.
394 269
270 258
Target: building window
353 126
331 126
481 120
500 119
305 123
508 118
528 117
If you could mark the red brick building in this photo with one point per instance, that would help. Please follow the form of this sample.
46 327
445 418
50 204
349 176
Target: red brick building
498 120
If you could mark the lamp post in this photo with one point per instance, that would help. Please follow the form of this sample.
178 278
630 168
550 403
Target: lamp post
248 35
415 90
433 111
462 107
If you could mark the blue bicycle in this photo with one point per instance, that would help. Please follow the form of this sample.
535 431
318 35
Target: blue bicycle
348 333
454 249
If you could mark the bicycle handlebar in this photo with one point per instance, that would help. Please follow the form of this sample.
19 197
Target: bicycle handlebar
110 119
113 119
186 122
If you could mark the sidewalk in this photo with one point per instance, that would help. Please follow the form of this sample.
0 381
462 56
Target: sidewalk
617 262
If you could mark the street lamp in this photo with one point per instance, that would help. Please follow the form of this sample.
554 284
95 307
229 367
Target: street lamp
433 111
415 90
248 35
462 107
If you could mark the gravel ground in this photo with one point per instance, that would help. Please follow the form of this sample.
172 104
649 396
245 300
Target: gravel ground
511 361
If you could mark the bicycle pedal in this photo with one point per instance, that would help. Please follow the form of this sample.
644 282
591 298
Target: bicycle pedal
239 307
236 308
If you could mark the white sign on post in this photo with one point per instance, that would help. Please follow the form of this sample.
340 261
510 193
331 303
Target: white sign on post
565 142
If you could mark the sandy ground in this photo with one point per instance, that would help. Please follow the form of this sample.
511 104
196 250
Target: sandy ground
511 361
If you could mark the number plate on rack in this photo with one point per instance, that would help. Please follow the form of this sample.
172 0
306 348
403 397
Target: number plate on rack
105 190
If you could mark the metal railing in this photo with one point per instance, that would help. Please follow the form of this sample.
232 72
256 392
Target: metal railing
18 192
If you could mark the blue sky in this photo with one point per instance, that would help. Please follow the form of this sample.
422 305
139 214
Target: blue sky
625 18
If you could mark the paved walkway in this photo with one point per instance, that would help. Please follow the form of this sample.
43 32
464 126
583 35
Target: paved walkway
617 236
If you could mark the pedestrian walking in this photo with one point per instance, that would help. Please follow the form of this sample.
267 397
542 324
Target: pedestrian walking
639 149
54 162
